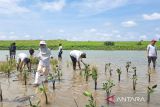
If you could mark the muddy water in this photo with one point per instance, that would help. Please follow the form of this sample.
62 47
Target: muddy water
69 90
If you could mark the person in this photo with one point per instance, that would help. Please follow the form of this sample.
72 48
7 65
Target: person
60 51
44 63
152 53
12 50
22 60
76 57
31 52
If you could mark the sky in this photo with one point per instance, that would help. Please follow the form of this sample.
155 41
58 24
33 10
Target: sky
80 20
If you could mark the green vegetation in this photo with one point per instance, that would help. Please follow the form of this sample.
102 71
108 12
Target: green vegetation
54 64
52 78
119 74
135 70
43 90
108 86
7 67
128 64
25 76
83 45
149 91
34 60
95 76
87 72
92 102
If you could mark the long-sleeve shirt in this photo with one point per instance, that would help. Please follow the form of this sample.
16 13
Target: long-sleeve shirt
44 56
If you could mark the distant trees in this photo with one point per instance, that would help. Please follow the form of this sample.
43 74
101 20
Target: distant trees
109 43
140 42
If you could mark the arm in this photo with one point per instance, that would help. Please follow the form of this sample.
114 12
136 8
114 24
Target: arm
156 51
148 50
83 62
79 65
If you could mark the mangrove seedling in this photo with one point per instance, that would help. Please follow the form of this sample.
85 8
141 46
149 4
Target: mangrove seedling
1 95
110 72
34 60
43 90
128 64
149 91
107 66
119 74
134 82
91 101
54 63
87 72
135 70
149 75
108 87
25 76
59 73
94 76
52 78
34 105
7 58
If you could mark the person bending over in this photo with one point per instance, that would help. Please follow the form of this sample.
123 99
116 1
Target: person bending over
76 57
22 61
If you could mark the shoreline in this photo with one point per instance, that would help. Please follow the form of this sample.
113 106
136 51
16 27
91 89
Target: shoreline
79 45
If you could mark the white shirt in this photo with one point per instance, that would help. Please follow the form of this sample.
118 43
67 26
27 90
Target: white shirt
44 56
21 56
76 54
152 50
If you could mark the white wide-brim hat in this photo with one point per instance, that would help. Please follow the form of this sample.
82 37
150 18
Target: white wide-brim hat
42 43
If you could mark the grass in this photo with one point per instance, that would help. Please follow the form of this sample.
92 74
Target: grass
83 45
7 67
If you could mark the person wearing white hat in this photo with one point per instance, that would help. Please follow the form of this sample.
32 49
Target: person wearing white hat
44 62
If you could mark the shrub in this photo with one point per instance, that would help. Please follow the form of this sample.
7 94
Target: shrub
109 43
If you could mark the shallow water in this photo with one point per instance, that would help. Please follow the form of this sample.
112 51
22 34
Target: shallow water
73 85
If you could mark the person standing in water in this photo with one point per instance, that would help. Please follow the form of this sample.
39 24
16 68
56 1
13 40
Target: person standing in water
76 57
44 62
152 53
31 52
60 51
12 50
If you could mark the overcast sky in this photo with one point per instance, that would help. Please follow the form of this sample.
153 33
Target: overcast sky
102 20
